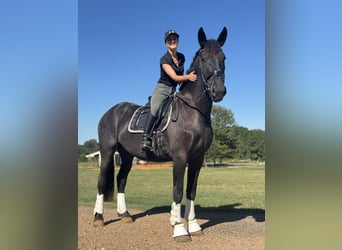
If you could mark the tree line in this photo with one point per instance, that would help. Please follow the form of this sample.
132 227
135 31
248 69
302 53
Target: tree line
230 141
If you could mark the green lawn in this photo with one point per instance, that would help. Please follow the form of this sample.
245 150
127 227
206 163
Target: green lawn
217 187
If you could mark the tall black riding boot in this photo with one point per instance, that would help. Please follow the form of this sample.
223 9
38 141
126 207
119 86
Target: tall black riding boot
146 144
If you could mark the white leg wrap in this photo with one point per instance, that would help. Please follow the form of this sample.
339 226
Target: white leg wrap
179 230
175 212
121 203
193 226
189 210
99 204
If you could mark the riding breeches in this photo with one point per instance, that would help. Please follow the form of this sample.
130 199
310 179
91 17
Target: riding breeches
161 92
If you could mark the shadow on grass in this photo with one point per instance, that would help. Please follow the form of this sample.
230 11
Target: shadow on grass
213 215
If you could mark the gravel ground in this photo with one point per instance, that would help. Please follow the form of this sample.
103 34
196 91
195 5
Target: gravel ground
242 229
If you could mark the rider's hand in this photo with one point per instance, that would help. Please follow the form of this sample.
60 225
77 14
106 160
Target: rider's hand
192 76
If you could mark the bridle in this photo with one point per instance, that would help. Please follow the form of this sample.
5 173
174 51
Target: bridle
207 83
208 80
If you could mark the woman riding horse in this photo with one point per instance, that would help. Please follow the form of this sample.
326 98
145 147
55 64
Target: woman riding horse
171 73
187 139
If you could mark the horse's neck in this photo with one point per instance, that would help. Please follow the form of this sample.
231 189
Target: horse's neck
190 90
194 95
194 90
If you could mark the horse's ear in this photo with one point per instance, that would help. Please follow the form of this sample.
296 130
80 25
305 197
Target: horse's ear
222 37
202 39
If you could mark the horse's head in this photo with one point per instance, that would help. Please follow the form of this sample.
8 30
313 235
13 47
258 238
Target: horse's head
211 63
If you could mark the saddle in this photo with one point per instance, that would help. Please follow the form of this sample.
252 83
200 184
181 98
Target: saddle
167 112
137 122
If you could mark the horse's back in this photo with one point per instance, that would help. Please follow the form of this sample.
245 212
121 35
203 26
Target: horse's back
118 111
115 118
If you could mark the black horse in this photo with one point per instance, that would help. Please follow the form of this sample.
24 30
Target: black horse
187 138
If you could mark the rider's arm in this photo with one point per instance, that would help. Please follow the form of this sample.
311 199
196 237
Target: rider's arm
179 78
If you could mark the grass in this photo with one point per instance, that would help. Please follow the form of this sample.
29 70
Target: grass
217 187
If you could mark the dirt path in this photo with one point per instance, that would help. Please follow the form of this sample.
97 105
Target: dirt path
240 229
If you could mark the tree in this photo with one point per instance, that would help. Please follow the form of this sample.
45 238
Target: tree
91 146
238 136
87 148
221 120
256 145
231 141
217 152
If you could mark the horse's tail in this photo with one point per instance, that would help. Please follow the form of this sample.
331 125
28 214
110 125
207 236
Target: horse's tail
105 183
108 191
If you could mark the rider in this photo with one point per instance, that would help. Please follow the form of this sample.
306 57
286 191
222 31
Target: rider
171 73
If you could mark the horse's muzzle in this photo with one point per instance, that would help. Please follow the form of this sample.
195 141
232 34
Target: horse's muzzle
217 95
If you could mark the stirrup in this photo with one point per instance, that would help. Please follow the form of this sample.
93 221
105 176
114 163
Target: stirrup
147 144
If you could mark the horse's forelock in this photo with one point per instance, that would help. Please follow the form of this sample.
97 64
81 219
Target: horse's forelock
211 48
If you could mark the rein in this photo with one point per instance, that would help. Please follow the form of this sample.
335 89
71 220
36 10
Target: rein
190 103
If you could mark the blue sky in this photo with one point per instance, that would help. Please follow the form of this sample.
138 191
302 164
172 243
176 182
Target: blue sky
121 42
119 46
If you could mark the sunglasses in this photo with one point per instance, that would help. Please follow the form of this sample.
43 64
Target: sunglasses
172 39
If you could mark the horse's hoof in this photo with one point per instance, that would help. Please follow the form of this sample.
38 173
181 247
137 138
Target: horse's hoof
180 234
194 228
126 217
182 238
98 220
197 233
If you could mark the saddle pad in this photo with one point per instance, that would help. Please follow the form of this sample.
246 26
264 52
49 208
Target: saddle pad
138 120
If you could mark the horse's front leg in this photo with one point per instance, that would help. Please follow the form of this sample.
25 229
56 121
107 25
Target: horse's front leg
121 181
194 168
179 231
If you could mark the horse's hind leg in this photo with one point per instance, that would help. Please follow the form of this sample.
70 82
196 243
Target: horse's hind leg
194 168
105 184
125 168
